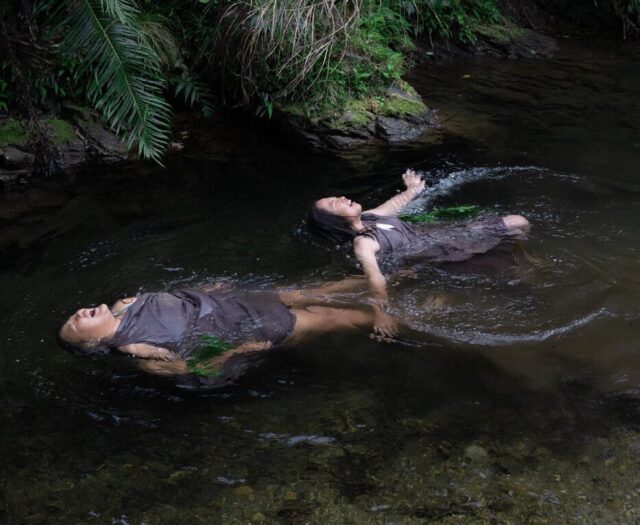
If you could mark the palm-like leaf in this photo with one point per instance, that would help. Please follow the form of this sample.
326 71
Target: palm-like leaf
127 86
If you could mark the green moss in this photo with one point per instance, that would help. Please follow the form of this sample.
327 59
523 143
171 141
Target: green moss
60 131
295 109
357 113
12 133
399 106
354 113
503 33
404 86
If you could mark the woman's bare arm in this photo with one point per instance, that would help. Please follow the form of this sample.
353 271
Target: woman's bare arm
414 186
365 249
160 361
149 351
163 368
213 365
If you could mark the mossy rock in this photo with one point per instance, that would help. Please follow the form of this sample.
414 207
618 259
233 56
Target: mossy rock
398 115
508 39
501 33
60 131
12 133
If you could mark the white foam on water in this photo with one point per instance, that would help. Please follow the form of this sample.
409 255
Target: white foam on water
448 184
536 336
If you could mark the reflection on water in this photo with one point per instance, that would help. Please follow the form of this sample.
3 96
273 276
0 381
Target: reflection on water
511 397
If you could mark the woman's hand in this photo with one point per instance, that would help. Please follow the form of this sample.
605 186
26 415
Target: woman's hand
216 286
385 326
414 184
413 181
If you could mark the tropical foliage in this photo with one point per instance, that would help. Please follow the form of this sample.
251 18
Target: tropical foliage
123 69
135 60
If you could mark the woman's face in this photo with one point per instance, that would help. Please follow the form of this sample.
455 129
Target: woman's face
340 206
88 324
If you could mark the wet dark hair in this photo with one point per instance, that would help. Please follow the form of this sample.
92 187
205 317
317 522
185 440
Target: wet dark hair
329 225
80 349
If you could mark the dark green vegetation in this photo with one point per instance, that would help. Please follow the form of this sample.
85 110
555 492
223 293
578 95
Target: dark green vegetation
199 361
450 213
136 61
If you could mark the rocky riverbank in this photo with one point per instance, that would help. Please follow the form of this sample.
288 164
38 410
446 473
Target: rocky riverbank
74 139
400 115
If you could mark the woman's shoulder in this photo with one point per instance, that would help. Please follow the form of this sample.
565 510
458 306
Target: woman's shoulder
121 305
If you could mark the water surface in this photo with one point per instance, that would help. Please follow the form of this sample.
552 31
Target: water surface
515 402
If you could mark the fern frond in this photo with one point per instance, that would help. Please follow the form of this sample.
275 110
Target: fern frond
194 92
123 12
127 86
158 36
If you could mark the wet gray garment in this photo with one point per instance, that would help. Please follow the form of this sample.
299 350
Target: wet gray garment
435 242
175 320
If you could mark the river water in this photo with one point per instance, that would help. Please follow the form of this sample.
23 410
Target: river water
516 401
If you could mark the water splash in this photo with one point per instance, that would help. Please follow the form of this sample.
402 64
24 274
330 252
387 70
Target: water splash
447 184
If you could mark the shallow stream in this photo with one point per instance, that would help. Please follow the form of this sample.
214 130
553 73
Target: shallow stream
516 401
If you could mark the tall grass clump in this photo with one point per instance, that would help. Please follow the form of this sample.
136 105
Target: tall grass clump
453 19
326 52
321 51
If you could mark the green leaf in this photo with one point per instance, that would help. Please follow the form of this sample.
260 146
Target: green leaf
127 86
199 362
451 213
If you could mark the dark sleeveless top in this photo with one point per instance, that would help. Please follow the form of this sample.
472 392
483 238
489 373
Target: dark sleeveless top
175 320
435 242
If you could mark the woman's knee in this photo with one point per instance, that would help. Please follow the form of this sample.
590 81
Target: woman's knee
516 222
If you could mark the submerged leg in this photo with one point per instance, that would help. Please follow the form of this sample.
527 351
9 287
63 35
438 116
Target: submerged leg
316 320
321 294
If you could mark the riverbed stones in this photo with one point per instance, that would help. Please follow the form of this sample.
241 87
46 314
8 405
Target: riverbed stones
244 491
13 158
476 454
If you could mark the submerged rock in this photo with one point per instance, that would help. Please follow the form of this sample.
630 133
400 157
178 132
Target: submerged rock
514 42
476 454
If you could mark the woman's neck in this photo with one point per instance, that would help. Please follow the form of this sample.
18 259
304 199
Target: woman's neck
115 324
357 225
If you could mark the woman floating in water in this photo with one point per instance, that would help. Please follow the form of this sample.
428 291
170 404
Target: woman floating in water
210 332
379 230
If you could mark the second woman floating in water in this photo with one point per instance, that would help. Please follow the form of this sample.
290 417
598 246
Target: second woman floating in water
379 231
